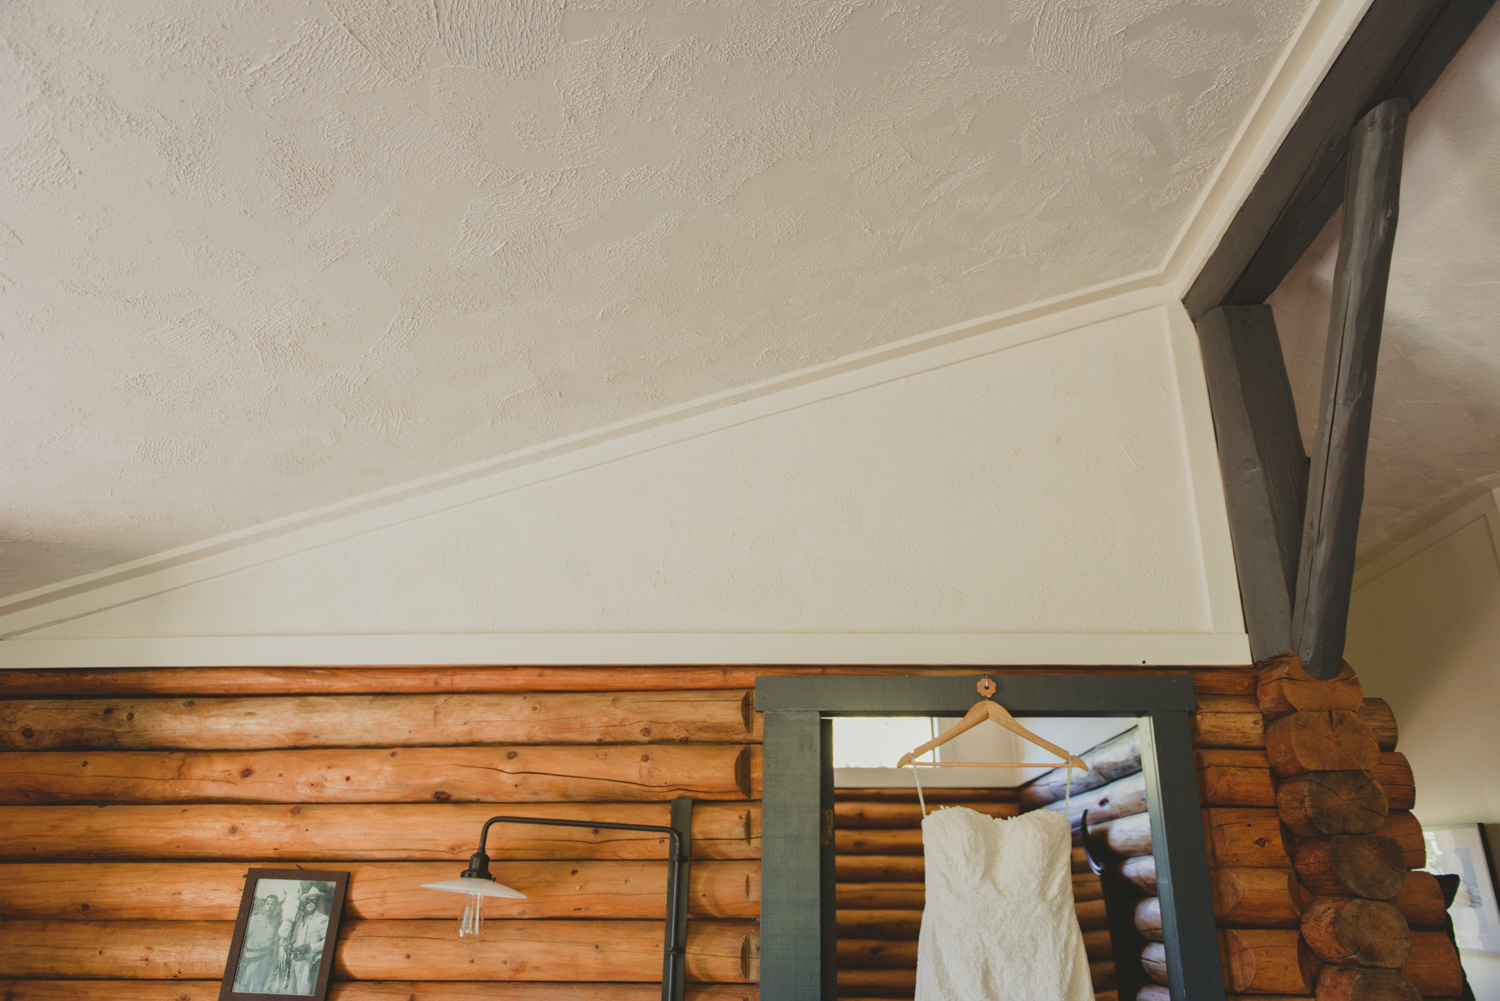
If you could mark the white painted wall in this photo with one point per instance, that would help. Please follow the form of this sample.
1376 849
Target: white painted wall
1435 427
1424 634
1039 495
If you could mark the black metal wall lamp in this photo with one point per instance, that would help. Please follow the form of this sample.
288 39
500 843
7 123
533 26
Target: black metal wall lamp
476 882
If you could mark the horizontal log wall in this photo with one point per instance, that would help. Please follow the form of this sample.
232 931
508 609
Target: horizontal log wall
210 891
385 950
132 801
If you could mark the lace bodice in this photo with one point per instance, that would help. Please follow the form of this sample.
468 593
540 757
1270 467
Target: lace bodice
999 921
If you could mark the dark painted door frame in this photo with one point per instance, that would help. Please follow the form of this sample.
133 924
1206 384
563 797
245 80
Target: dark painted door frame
797 934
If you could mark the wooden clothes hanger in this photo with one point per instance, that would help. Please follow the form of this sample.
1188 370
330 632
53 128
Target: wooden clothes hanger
986 709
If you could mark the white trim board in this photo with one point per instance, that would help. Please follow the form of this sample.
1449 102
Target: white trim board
235 551
1324 31
639 649
1475 503
1216 551
1400 538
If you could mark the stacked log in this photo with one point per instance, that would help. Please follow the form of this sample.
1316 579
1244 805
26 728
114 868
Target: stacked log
881 889
123 865
132 804
1343 796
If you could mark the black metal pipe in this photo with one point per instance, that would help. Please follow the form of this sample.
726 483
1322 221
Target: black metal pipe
673 949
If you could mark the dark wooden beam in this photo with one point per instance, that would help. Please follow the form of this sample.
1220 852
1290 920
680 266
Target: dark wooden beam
1262 463
1398 50
1336 482
798 962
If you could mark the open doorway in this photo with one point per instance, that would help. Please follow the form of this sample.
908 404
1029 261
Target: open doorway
876 832
879 863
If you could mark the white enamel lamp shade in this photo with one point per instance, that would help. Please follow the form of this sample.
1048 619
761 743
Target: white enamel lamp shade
468 884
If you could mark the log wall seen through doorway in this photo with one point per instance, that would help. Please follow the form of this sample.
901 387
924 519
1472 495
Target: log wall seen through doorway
158 861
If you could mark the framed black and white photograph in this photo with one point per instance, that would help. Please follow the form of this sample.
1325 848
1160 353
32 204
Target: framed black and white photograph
285 935
1463 851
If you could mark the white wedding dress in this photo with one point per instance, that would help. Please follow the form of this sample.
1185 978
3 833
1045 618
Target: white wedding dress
999 923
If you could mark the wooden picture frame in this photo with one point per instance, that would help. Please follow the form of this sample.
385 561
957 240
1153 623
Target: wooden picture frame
1464 850
284 935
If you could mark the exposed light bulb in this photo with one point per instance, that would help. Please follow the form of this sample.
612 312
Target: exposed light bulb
474 889
471 925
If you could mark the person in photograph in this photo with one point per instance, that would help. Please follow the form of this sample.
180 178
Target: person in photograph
305 947
257 952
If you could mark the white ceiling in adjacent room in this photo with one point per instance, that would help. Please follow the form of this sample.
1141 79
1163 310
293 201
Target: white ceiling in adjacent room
257 257
1436 423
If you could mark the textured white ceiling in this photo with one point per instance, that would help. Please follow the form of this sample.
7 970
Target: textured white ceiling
259 257
1436 421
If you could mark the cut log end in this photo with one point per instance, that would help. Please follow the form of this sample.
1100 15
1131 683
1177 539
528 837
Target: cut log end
1285 687
1140 872
1360 865
1355 932
1126 836
1323 803
1305 742
1148 919
1154 962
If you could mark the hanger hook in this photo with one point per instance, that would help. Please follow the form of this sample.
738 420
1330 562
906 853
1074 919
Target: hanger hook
1093 850
986 686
